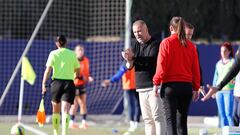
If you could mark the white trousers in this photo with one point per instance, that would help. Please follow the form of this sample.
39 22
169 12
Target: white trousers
152 113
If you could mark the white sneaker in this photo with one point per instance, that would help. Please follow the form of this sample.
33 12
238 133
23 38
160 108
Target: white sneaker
132 127
136 124
73 125
84 125
127 133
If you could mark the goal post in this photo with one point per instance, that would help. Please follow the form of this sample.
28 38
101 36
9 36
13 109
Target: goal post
13 76
128 24
97 25
29 44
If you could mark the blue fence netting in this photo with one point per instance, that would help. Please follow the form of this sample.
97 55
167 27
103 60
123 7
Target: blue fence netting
105 58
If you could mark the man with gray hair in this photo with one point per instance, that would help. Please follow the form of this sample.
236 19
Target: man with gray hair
143 56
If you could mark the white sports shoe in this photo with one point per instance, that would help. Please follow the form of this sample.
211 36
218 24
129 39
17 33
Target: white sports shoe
73 125
84 125
133 126
127 133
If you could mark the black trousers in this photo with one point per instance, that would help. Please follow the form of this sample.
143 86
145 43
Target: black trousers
176 97
236 111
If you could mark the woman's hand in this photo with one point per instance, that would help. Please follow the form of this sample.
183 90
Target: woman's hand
90 79
157 90
212 90
44 89
106 83
195 95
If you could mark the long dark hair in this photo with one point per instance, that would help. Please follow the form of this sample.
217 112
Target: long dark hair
229 47
62 40
178 25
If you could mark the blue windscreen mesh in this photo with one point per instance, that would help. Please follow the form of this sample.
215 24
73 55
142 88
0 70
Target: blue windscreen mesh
105 58
93 23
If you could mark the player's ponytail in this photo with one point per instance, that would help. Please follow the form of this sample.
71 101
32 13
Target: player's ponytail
178 25
62 40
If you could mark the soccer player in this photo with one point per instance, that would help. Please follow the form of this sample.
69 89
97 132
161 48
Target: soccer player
143 56
178 75
129 87
80 84
63 62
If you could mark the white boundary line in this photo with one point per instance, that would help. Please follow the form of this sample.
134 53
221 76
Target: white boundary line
33 130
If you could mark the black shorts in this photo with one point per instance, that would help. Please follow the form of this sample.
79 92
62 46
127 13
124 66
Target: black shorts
62 90
80 90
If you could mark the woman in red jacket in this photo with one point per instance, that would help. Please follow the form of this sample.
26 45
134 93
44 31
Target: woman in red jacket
178 75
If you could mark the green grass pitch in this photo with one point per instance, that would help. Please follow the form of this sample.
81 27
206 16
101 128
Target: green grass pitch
95 130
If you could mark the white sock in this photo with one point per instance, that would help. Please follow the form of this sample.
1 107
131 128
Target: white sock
71 122
83 121
65 123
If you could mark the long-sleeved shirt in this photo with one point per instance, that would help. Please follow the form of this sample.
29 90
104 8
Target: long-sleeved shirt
221 70
236 91
145 61
232 72
177 63
128 78
118 75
